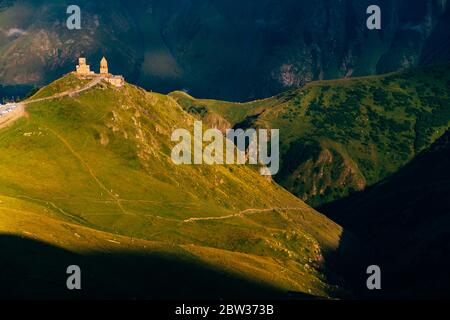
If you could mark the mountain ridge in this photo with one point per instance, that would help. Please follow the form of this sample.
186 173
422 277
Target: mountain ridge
252 50
340 136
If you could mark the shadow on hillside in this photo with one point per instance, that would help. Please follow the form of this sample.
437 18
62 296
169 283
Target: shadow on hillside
343 267
404 222
411 245
414 262
32 269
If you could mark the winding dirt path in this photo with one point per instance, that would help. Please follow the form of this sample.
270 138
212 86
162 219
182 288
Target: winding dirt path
19 112
241 214
14 115
89 170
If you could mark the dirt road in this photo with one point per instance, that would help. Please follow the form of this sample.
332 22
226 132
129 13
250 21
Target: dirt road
11 117
19 112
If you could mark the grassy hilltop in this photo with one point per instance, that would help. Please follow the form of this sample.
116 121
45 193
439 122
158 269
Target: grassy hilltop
338 137
89 178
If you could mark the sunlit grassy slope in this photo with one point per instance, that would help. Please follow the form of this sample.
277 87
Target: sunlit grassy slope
341 136
92 173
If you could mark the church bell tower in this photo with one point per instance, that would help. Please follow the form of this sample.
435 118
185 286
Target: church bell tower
104 66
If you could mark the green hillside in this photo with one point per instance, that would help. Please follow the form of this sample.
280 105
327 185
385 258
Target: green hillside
90 174
340 136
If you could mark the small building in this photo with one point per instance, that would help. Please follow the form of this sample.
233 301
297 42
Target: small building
83 69
104 66
117 81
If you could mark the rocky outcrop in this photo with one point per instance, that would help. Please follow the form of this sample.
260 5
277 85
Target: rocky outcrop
318 174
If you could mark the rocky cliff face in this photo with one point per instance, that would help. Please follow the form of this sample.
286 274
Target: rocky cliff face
319 172
234 51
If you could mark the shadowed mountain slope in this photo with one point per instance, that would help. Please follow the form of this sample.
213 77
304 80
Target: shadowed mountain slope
404 222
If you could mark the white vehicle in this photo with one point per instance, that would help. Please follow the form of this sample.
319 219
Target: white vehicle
5 109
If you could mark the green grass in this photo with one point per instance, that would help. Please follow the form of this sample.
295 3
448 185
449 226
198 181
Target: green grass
67 83
100 162
340 136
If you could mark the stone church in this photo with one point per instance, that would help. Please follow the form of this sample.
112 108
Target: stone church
84 70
